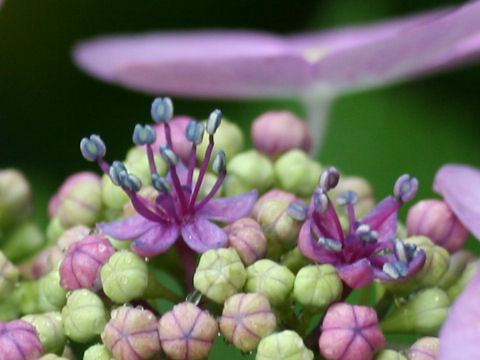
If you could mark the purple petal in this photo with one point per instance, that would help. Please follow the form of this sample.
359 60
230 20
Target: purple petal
156 240
460 187
127 229
306 244
356 275
202 235
460 335
229 209
383 217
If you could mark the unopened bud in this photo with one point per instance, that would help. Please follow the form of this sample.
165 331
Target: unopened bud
246 237
15 198
361 187
425 348
272 194
456 289
51 295
19 340
228 137
285 345
458 262
9 275
390 355
22 241
98 352
49 327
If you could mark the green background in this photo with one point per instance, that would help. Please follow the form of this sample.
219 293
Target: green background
47 105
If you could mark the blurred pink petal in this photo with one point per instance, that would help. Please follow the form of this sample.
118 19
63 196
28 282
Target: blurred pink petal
460 187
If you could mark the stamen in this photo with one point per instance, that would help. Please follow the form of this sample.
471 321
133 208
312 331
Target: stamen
130 181
395 269
92 148
143 135
329 178
320 200
365 233
350 197
213 121
297 210
400 250
161 183
168 155
219 162
203 170
405 188
219 166
194 132
116 172
162 110
330 244
172 159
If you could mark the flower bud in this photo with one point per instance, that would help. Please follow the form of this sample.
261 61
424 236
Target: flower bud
228 137
208 182
51 295
83 316
389 355
52 357
15 198
78 200
272 194
19 340
54 230
458 263
178 128
26 294
49 327
147 192
361 187
276 132
132 333
350 332
187 332
22 241
9 275
271 279
434 219
82 263
425 348
220 274
423 314
246 319
124 276
317 286
246 236
285 345
10 307
246 171
294 260
454 290
98 352
296 172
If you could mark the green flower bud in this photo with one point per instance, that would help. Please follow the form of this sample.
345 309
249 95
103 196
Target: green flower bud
84 315
228 137
54 230
245 235
296 172
423 314
124 277
389 355
98 352
51 295
49 327
317 286
364 191
454 290
52 357
458 263
22 241
15 198
294 260
271 279
147 192
208 182
425 348
27 294
10 307
220 273
247 171
285 345
9 275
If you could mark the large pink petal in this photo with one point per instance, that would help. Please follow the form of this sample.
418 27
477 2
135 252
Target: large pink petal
202 235
460 334
156 240
127 229
460 187
231 208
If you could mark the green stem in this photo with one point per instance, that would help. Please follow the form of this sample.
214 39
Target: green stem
156 289
383 305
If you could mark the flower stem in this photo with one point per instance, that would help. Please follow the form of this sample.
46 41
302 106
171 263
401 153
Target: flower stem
188 258
317 109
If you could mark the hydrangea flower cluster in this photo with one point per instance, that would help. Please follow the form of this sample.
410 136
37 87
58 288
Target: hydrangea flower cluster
276 282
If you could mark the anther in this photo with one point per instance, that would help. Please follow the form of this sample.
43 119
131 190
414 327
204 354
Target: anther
329 178
405 188
92 148
143 135
194 132
213 121
162 110
297 210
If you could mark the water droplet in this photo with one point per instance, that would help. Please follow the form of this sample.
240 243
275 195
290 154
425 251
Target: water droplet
139 307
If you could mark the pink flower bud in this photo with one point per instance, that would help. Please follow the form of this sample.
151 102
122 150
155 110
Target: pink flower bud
276 132
425 348
178 126
83 261
246 237
350 332
19 340
132 334
187 332
434 219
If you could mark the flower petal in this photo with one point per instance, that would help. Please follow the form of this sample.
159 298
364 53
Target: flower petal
156 240
202 235
306 244
460 187
229 209
127 229
356 275
460 336
383 218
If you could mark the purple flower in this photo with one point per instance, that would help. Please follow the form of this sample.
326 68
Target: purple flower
460 334
314 67
177 212
369 249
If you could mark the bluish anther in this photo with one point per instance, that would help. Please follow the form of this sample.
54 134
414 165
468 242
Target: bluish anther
219 163
329 178
350 197
131 182
365 233
194 132
117 172
162 110
92 148
143 135
161 183
395 269
320 200
405 188
330 244
213 121
168 155
297 210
